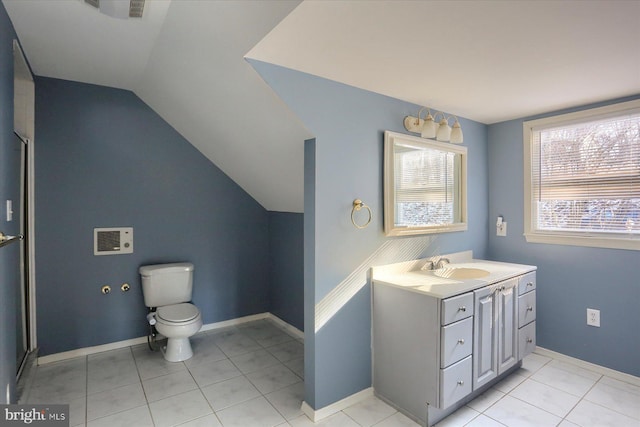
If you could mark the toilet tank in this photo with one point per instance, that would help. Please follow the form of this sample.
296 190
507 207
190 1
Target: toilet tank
164 284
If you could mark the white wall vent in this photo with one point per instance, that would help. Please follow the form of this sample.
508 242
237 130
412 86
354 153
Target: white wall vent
112 241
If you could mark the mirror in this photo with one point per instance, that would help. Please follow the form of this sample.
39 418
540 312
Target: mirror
425 186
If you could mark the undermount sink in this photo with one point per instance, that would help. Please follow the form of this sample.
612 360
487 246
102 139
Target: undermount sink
460 273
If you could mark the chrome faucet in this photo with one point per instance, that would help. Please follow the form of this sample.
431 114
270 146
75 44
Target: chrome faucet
441 263
429 265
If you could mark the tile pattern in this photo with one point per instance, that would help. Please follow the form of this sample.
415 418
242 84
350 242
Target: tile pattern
252 376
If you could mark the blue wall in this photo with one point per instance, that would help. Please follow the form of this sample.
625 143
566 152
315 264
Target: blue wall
570 278
105 159
342 164
9 189
286 267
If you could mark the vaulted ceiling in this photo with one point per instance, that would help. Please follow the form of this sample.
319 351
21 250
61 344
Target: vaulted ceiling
485 60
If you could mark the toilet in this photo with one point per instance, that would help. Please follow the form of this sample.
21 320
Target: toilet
167 288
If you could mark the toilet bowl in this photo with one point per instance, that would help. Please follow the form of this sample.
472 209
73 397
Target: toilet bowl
167 290
178 322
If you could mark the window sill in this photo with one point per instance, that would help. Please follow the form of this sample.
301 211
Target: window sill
632 244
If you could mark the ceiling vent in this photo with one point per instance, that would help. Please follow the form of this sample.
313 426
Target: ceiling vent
122 9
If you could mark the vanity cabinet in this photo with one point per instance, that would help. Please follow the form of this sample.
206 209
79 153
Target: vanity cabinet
495 336
526 314
432 354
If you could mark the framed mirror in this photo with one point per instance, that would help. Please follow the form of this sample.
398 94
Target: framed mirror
425 186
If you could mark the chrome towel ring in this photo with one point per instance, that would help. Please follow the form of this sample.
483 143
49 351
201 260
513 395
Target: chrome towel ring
358 205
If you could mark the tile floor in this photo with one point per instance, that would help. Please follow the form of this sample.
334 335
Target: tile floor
252 376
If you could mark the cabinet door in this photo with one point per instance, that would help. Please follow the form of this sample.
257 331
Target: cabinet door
484 337
507 325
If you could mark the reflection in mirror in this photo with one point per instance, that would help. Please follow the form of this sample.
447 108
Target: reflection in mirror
425 186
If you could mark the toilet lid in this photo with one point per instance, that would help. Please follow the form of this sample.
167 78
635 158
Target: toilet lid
177 312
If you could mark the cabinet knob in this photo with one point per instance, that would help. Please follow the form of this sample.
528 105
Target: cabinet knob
463 308
502 288
461 341
530 284
460 382
529 340
529 308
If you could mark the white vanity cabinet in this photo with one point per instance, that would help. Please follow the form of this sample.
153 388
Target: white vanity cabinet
422 348
495 336
434 351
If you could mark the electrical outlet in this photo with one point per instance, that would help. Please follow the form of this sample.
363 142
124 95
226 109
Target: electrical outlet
501 230
593 317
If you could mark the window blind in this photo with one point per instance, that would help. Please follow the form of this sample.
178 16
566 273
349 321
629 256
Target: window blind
425 187
586 176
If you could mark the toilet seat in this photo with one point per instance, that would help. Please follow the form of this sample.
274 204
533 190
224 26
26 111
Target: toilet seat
177 313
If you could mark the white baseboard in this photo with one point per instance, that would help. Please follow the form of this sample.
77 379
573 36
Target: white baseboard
611 373
316 415
292 330
56 357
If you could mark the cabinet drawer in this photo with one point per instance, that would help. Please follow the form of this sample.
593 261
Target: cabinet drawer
455 382
526 308
457 308
456 341
527 283
527 340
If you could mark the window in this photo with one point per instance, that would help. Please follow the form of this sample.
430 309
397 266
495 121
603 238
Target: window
425 184
582 178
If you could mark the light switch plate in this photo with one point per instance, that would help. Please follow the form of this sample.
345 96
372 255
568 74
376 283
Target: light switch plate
502 230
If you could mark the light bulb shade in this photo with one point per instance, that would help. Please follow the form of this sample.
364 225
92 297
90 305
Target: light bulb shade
429 128
444 131
456 133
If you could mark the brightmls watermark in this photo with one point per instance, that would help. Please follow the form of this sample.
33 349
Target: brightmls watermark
34 415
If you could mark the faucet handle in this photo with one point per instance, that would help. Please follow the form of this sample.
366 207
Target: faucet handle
442 262
429 265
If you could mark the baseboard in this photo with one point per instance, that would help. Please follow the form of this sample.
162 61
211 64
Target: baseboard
316 415
56 357
292 330
611 373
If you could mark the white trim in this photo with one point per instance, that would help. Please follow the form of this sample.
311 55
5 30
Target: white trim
233 322
390 229
532 235
31 242
56 357
584 240
292 330
316 415
611 373
28 132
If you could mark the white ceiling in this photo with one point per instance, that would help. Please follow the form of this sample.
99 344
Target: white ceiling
485 60
489 61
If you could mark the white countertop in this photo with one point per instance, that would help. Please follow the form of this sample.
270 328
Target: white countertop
409 276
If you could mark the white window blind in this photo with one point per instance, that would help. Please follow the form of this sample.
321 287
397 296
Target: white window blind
425 187
585 177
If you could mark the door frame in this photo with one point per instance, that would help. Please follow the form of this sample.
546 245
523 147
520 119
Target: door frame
24 126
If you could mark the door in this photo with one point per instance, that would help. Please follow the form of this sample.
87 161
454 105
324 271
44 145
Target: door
22 293
484 337
507 325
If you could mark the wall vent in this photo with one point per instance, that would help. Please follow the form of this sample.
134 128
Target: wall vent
112 241
136 7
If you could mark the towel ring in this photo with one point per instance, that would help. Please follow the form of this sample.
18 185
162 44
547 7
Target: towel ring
357 205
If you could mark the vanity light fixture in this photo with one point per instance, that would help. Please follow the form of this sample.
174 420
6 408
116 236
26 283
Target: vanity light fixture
430 128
